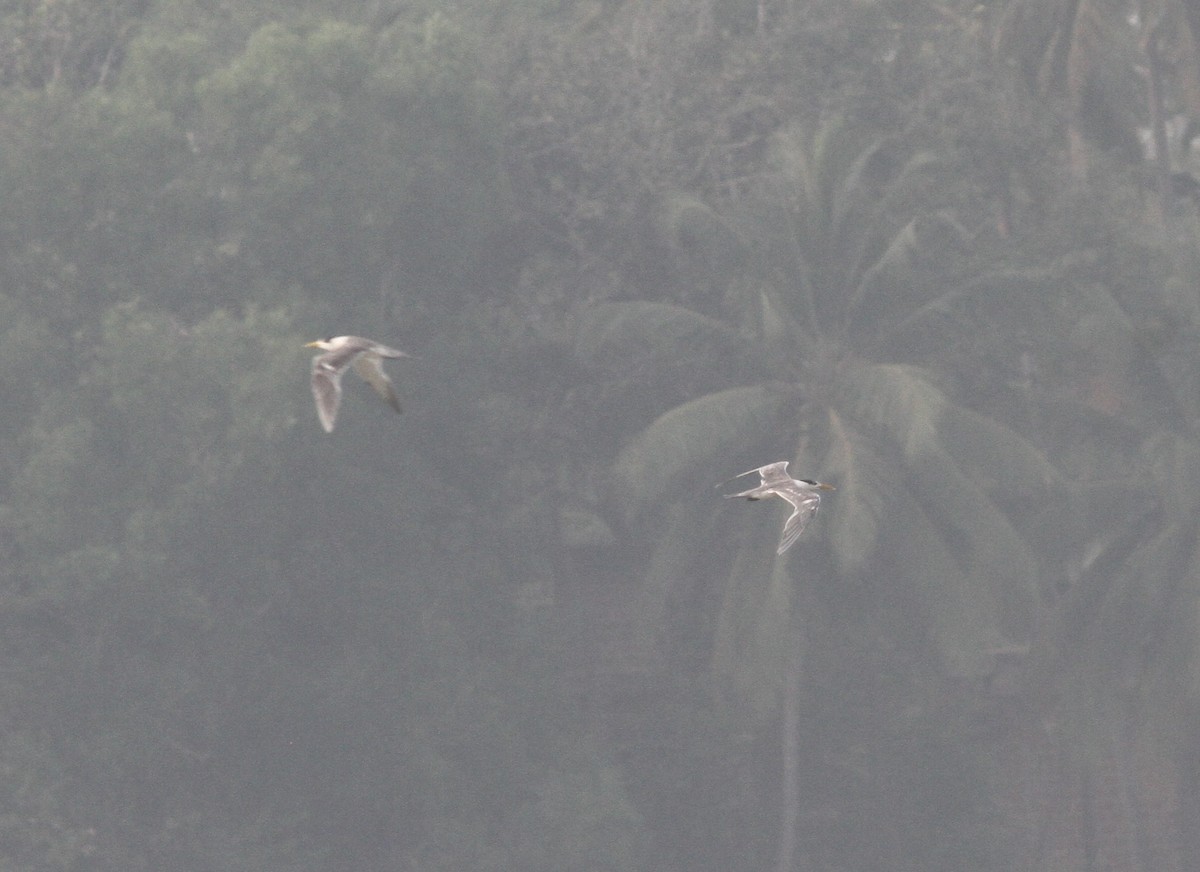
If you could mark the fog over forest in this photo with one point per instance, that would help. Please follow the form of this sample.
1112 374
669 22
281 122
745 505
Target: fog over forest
939 254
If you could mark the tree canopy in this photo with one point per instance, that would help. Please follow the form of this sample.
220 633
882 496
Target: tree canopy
941 255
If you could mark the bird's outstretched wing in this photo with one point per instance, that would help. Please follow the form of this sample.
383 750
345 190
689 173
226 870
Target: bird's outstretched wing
769 476
755 493
774 473
795 524
388 351
370 366
327 392
800 493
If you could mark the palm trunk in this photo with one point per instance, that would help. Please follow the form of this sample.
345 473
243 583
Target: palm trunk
790 799
1158 121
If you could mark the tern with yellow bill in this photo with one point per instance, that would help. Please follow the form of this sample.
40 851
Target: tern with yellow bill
804 495
342 352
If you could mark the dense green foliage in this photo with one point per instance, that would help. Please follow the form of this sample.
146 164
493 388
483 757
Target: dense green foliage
939 254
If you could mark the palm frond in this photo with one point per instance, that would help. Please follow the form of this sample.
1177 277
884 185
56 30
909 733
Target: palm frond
865 488
897 255
788 224
894 400
991 554
826 182
775 324
911 177
827 148
1175 463
799 167
1177 679
850 192
684 220
964 624
1011 283
750 644
996 457
698 234
1135 608
865 222
635 334
689 528
683 442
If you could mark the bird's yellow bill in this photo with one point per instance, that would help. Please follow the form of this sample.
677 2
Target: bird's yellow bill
826 487
315 344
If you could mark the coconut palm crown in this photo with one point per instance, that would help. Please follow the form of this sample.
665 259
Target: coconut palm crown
816 355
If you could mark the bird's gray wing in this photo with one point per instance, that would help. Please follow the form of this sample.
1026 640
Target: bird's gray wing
386 351
755 493
370 367
774 473
795 524
327 392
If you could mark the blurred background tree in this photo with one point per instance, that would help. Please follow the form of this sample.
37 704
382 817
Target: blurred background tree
941 254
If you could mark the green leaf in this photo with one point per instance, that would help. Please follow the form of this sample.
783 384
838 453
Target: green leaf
868 228
993 557
896 255
693 229
1011 283
1183 665
889 283
865 488
1175 461
911 177
849 195
896 400
775 327
1140 596
790 158
684 441
995 457
641 335
963 621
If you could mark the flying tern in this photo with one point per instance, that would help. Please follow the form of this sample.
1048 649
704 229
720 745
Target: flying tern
340 353
804 495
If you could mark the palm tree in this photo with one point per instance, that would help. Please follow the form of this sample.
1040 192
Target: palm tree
822 367
1113 671
816 358
1106 65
